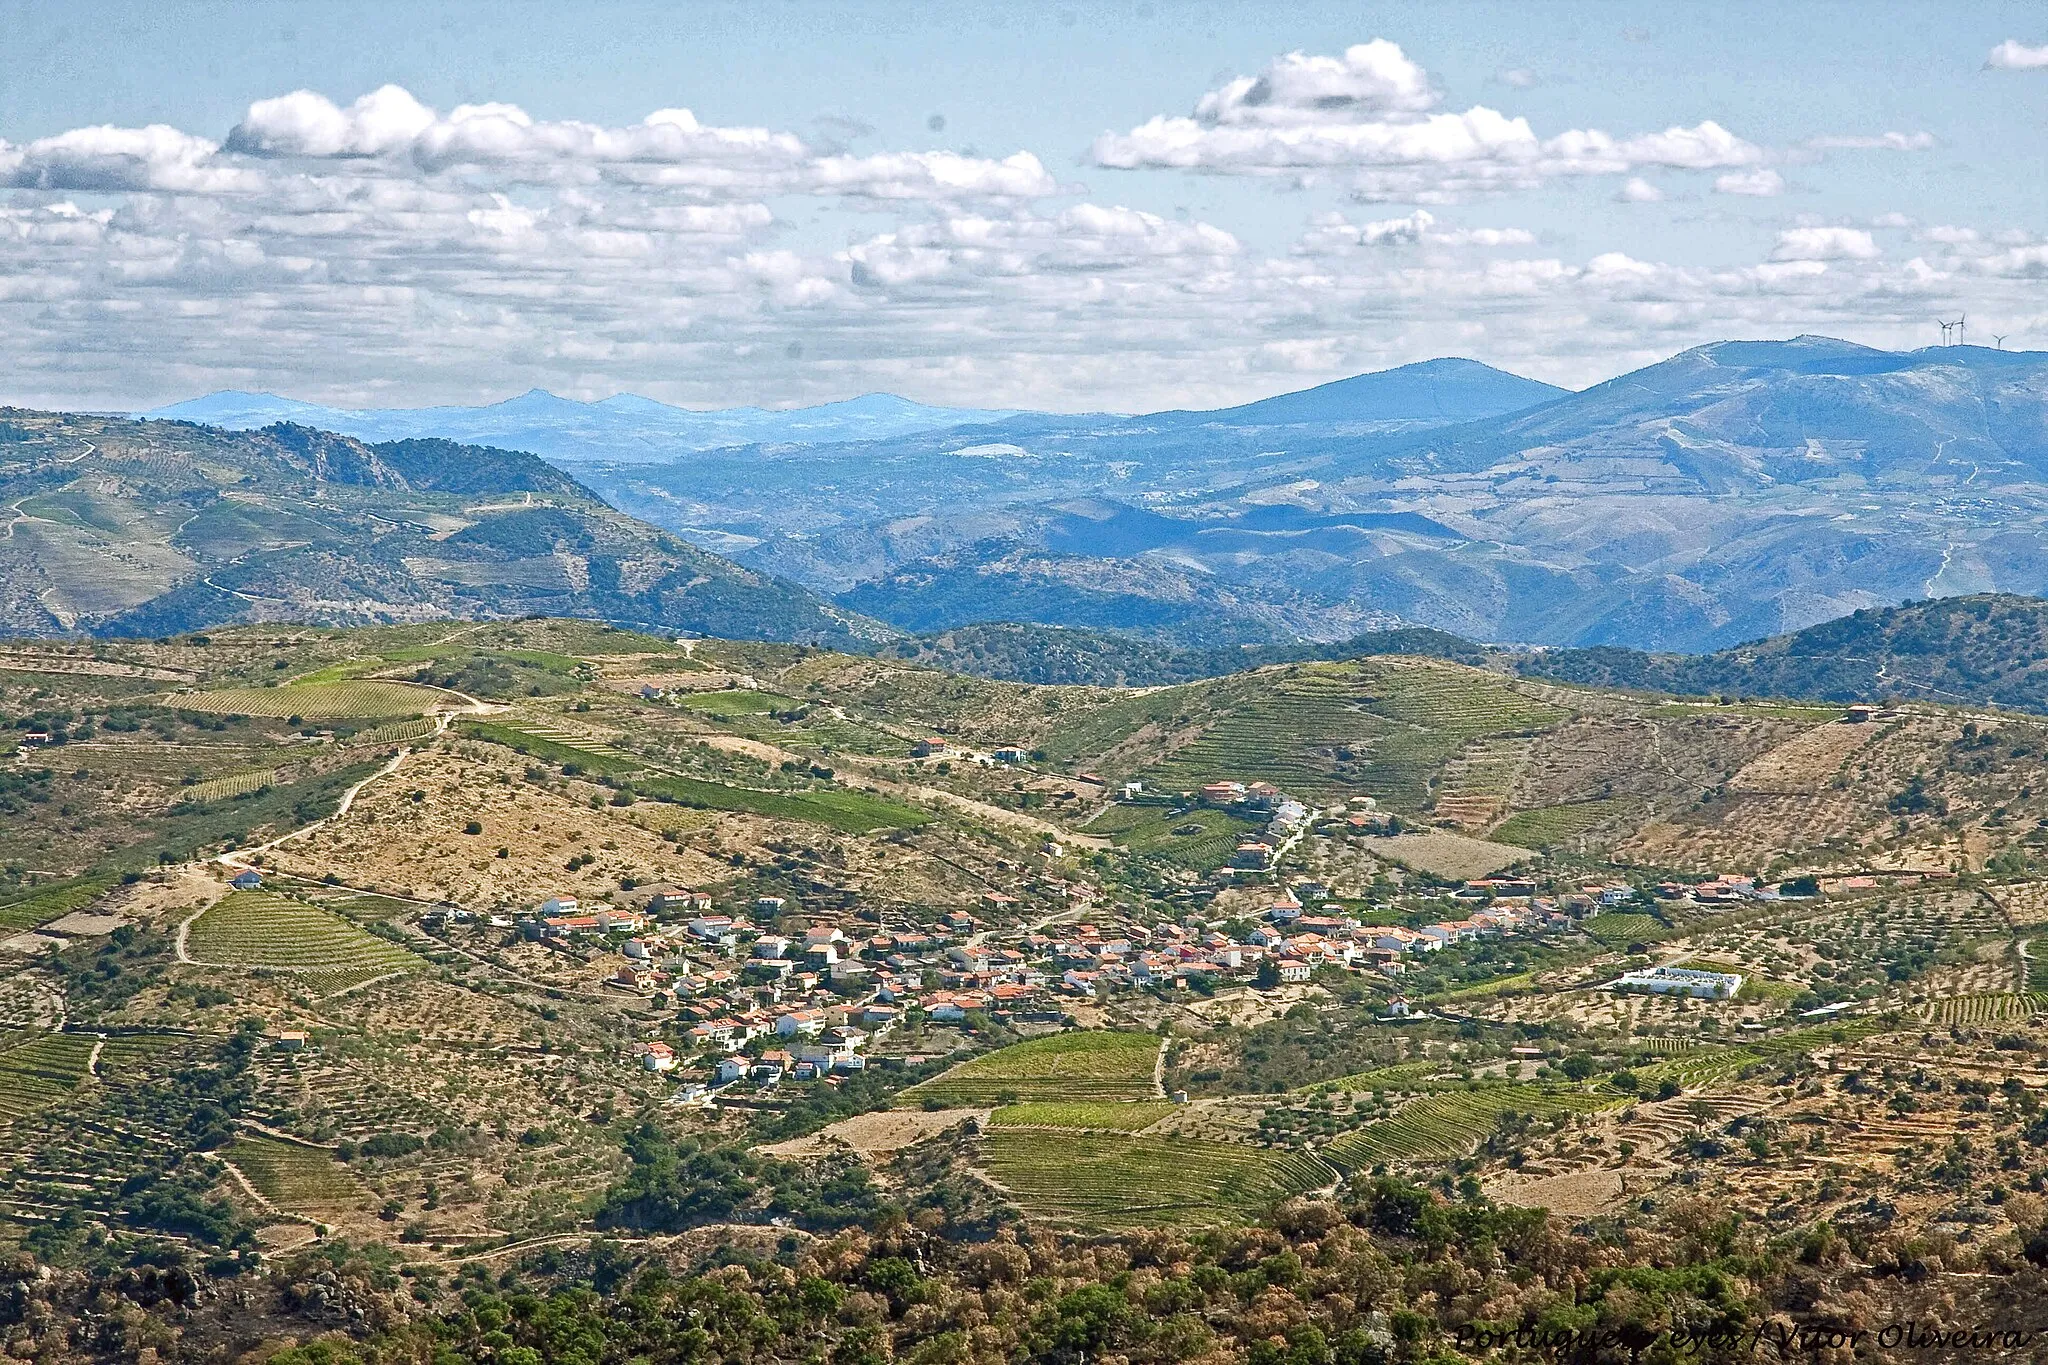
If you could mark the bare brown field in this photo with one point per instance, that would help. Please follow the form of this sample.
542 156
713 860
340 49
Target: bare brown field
877 1134
420 847
1445 854
1804 764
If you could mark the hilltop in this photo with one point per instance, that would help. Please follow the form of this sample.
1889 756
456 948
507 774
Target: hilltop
147 528
1983 648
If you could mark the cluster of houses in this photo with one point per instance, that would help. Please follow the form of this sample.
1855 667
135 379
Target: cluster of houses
1286 820
757 1002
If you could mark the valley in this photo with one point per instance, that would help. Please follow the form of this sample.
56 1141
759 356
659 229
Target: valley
467 907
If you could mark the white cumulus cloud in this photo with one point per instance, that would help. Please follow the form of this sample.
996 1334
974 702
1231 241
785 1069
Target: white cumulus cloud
1373 111
2014 55
1761 183
1825 244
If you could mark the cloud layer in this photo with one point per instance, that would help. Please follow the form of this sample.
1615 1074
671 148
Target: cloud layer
382 251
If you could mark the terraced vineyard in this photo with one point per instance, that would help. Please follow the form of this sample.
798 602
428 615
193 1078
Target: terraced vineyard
1089 1065
1440 1127
53 901
851 812
1120 1118
292 1177
321 700
1984 1008
232 784
397 732
1556 826
1278 734
264 929
1100 1181
1615 929
1473 788
39 1069
315 1097
1197 840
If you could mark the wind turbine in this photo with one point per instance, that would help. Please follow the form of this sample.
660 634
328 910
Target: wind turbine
1946 329
1962 322
1998 342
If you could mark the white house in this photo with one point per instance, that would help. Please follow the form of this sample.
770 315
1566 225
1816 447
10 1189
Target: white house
1681 981
799 1022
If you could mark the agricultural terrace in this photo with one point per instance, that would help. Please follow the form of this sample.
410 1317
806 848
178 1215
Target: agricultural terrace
851 812
1116 1118
1388 726
1099 1180
295 1177
1193 840
264 929
1090 1065
53 901
1443 1127
38 1069
324 701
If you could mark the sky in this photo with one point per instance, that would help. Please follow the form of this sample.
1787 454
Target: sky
1122 206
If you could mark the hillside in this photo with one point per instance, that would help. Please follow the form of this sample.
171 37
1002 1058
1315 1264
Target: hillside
1985 648
391 1042
1009 652
148 528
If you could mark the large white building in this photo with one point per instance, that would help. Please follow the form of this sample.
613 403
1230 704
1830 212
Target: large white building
1683 980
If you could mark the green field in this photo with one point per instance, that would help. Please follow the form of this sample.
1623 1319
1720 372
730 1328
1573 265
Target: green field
1442 1127
1118 1118
1098 1180
264 929
1555 826
53 901
737 702
1399 720
38 1069
850 812
1198 840
1615 929
324 700
233 784
292 1177
1091 1065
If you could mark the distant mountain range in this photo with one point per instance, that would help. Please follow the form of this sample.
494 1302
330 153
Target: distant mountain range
118 527
1737 491
625 427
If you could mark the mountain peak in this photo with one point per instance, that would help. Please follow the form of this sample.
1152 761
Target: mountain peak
1445 389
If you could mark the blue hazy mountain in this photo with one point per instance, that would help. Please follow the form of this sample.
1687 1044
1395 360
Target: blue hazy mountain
625 427
1433 391
629 428
1734 491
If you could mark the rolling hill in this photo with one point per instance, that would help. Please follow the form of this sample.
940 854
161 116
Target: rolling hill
119 527
1989 647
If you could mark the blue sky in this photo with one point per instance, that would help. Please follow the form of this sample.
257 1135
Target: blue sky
1054 205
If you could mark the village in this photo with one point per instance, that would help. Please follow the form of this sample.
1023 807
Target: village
737 1000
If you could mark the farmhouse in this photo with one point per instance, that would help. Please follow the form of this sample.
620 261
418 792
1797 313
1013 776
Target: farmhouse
247 881
1682 980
